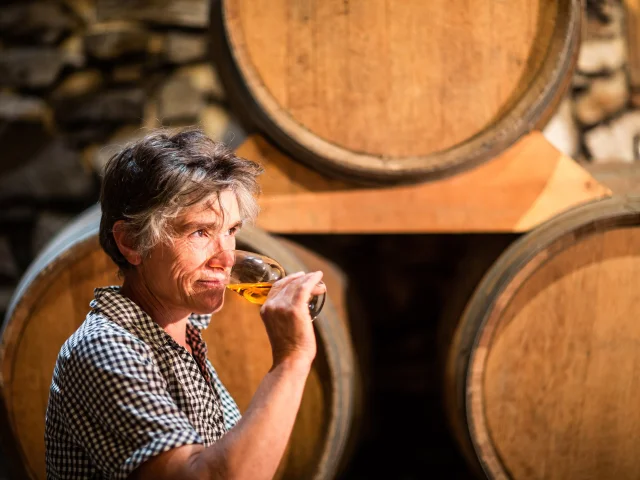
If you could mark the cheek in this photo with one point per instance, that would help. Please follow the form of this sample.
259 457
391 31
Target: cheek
187 268
193 253
186 263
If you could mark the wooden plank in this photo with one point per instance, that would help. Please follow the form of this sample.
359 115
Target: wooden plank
622 178
528 184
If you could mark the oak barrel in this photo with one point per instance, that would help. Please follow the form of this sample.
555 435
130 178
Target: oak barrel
53 298
543 373
390 92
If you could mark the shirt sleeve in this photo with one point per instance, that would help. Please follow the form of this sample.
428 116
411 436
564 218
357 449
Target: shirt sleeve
229 407
117 404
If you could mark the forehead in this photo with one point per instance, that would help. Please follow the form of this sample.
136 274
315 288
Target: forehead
213 210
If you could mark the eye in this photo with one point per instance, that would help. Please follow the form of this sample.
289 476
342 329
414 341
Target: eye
233 230
199 233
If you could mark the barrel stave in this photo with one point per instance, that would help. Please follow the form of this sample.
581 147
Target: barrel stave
54 299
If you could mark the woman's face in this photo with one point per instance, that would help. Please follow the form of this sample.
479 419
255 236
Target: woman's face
190 274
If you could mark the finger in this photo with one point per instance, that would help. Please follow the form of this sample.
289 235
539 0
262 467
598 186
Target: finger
304 286
283 282
319 289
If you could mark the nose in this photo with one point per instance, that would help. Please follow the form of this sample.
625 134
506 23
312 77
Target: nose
222 259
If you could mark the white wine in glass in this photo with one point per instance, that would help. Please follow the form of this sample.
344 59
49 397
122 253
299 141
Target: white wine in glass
252 276
254 292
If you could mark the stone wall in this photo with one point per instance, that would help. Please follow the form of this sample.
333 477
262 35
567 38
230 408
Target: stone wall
78 79
597 121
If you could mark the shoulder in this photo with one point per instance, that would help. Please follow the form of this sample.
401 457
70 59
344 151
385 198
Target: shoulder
100 343
98 330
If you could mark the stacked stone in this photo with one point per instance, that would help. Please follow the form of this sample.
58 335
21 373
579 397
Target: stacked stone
78 79
597 121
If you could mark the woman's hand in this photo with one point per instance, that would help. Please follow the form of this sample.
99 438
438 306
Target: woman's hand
287 319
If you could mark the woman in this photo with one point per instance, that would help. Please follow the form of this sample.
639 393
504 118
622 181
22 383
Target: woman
133 394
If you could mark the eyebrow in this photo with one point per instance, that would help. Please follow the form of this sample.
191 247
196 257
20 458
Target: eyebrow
192 226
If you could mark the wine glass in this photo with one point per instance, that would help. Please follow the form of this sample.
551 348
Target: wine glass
252 276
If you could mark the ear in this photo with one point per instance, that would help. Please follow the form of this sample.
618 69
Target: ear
124 243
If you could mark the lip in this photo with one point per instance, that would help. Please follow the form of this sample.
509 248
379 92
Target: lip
214 282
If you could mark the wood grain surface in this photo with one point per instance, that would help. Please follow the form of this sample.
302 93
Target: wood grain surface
562 376
528 184
542 373
396 91
57 300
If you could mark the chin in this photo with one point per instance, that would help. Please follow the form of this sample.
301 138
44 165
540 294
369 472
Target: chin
208 304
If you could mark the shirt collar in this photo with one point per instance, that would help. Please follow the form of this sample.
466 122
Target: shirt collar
127 313
200 321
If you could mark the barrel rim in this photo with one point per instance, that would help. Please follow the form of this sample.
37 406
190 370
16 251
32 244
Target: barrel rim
50 253
80 238
12 334
495 291
242 83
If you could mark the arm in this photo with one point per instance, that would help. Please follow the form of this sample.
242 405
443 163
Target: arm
254 447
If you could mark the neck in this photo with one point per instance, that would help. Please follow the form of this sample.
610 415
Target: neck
172 320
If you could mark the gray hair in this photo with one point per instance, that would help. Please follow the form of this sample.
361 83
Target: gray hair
152 181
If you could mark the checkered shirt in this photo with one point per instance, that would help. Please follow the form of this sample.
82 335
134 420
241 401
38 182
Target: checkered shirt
124 391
